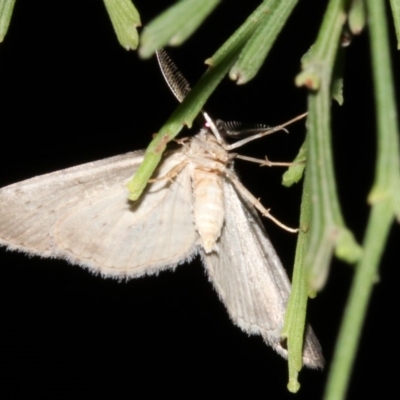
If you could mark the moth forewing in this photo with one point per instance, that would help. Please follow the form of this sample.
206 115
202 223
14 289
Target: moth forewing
82 214
29 210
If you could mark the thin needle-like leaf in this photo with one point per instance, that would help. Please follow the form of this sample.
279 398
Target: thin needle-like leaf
6 9
357 16
175 25
328 231
242 34
187 111
184 114
125 19
295 171
258 46
295 316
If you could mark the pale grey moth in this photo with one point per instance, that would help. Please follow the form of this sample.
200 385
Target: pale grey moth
195 205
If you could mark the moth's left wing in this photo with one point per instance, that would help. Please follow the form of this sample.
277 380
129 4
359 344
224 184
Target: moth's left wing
82 214
250 279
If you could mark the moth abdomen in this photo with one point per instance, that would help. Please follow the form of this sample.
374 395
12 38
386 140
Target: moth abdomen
208 208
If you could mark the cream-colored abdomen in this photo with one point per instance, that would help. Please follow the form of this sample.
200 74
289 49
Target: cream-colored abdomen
208 206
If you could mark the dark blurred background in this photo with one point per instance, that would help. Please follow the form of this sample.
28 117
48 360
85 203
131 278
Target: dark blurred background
71 94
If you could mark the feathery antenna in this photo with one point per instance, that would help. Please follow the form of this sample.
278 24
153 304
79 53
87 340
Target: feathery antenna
178 84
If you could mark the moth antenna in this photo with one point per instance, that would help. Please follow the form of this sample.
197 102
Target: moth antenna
239 129
178 84
180 87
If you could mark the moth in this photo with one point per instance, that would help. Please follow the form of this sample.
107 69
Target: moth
194 205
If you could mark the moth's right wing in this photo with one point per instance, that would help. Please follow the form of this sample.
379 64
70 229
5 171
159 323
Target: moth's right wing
82 214
250 279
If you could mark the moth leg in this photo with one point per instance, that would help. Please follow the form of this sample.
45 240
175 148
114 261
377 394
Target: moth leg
171 174
254 201
267 163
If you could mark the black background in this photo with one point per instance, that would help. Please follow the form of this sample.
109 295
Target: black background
70 94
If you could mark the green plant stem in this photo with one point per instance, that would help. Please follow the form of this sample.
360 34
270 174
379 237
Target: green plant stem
385 204
354 315
187 111
387 173
328 231
295 316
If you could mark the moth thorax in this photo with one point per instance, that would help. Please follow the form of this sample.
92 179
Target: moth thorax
206 146
208 207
